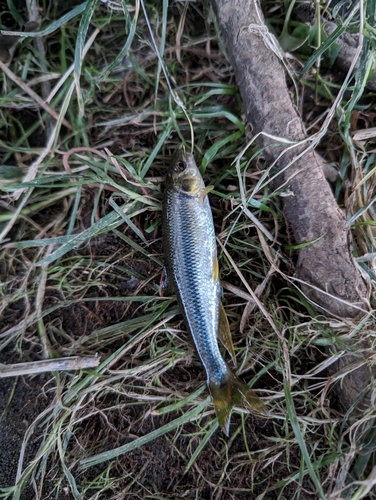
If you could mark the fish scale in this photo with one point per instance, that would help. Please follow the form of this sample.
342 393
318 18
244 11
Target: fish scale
192 271
191 233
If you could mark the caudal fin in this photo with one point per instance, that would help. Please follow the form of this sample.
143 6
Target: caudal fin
233 392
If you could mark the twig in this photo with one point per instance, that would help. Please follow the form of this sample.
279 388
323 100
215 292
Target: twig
49 365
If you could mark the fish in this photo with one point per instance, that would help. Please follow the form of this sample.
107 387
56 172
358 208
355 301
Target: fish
191 272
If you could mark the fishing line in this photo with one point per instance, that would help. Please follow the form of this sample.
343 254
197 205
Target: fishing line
173 93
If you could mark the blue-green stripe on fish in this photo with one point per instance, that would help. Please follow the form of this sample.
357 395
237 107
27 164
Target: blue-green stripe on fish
192 272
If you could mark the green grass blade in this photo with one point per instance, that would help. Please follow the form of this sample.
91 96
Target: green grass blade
127 45
300 439
161 141
137 443
79 50
208 434
328 42
55 25
127 220
108 222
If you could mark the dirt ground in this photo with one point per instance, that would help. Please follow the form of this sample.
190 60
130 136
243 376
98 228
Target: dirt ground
157 467
96 285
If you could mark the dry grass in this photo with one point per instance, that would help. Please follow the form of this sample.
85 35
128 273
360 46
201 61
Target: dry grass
81 263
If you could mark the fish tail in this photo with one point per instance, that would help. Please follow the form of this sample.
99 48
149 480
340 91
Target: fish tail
230 392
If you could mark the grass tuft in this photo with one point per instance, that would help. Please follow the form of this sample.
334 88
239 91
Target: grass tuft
81 259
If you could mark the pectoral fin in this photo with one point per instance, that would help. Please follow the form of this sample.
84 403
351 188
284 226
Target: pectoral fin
224 333
165 287
205 192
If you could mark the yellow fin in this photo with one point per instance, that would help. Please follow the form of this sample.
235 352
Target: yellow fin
232 392
224 333
205 192
215 268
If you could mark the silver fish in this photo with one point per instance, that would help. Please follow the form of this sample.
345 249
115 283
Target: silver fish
191 271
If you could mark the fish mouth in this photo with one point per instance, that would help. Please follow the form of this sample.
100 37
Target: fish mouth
191 185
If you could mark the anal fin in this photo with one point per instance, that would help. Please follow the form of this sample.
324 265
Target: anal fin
224 333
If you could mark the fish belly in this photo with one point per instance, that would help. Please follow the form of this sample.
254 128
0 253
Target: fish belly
191 257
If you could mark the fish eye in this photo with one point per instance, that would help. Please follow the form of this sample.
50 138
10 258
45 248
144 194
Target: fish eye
179 166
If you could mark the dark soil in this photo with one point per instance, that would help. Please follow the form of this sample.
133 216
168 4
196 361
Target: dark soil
156 470
159 465
22 400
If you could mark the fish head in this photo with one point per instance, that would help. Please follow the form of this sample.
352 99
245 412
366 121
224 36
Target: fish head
183 174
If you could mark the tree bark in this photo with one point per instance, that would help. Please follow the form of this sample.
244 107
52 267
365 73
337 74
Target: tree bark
348 42
310 208
331 279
